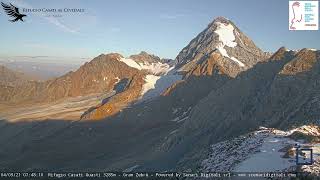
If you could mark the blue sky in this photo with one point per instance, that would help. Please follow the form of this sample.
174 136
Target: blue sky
161 27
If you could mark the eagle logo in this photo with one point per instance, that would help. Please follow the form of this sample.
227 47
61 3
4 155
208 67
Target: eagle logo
13 11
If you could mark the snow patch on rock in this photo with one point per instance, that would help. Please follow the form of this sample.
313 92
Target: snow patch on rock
153 68
156 68
237 61
309 130
226 38
131 63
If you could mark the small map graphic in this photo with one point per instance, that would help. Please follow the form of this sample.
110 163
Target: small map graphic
303 15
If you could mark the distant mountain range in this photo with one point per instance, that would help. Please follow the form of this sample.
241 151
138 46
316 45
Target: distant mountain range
42 67
163 114
10 77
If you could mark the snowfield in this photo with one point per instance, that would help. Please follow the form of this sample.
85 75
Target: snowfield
161 77
155 85
131 63
227 38
226 35
153 68
264 150
151 81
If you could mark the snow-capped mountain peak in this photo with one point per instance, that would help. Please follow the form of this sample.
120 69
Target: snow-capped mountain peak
238 52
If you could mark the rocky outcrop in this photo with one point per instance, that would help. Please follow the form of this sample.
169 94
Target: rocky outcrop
304 61
114 104
144 57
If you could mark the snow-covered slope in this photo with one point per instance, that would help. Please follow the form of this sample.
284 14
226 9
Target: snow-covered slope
155 85
131 63
265 150
151 80
160 75
155 68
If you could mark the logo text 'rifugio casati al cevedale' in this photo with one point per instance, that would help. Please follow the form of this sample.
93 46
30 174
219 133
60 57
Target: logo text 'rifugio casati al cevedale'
13 11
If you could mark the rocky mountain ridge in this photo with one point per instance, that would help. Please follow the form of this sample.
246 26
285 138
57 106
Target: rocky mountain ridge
97 76
125 78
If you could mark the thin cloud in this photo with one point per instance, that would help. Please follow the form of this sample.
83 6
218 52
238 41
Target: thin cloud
36 45
61 25
171 16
